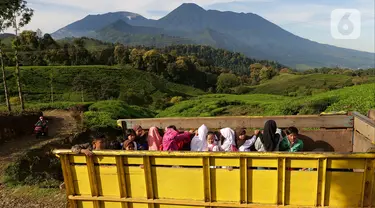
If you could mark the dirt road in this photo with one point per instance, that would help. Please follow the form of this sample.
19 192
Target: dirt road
60 124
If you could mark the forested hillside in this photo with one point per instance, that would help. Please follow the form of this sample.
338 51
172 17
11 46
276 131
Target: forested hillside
57 74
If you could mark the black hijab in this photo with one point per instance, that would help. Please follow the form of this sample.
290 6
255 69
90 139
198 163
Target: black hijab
269 138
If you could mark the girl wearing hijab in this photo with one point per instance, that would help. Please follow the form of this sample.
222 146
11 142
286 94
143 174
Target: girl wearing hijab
154 139
228 140
199 143
270 139
244 142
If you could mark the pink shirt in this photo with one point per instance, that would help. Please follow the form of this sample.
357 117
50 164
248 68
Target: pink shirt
172 137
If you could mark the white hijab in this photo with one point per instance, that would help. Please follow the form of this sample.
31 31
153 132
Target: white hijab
199 143
229 136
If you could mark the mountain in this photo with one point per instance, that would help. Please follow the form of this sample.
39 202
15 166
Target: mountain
6 35
124 33
247 33
92 23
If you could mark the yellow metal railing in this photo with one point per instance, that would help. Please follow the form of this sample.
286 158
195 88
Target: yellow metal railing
191 179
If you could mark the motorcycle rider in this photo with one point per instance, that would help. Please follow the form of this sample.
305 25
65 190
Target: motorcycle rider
42 123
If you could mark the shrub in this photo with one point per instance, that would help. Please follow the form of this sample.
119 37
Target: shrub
176 99
104 114
36 167
14 101
242 90
99 120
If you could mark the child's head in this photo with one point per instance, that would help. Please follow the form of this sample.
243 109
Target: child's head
130 134
241 134
292 134
210 137
172 127
114 145
129 145
98 141
138 130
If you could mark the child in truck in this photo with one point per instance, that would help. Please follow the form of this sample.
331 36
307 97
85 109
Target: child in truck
140 137
131 137
128 145
98 143
244 142
174 140
154 139
291 143
212 141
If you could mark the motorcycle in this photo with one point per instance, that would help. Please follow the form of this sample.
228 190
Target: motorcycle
40 132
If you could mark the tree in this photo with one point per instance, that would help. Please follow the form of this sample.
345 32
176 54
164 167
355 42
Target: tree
226 81
3 26
266 73
16 14
79 83
136 57
47 42
29 40
255 72
121 54
154 61
4 76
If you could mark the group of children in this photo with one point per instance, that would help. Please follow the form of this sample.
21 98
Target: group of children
268 140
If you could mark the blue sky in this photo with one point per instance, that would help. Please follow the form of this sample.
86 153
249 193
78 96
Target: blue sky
306 18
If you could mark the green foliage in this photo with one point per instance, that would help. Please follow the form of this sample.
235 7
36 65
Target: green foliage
356 98
176 99
14 100
94 119
93 83
226 81
38 166
105 113
302 85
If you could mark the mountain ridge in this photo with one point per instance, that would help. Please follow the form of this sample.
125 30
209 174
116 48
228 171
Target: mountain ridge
248 33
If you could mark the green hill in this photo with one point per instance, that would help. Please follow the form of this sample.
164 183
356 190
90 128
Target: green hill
95 83
89 43
301 85
358 98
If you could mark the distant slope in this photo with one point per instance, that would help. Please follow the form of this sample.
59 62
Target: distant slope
6 35
247 33
6 39
122 26
121 32
89 43
297 85
100 83
356 98
273 42
92 23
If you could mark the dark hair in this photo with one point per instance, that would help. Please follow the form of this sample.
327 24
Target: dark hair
210 133
129 132
172 127
291 130
114 145
98 136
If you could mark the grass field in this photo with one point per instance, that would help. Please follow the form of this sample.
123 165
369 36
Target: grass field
133 94
94 83
356 98
302 85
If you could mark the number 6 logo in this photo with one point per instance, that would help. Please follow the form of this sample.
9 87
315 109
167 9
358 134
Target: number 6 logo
346 24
